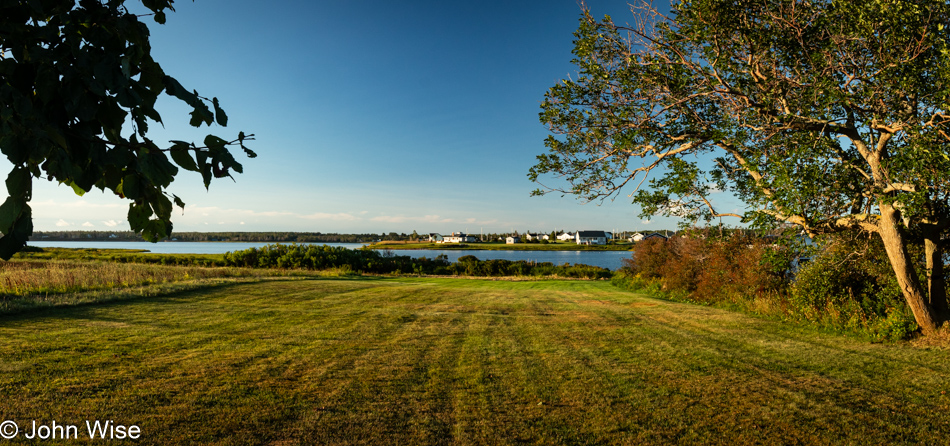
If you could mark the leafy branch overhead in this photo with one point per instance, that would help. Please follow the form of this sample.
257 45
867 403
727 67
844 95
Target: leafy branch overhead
830 115
78 88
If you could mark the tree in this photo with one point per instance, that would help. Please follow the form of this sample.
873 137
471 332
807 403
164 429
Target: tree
826 114
74 77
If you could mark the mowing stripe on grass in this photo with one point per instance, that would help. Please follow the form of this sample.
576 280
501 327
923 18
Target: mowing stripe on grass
451 361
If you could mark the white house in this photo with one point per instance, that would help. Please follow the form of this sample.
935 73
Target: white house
590 238
637 237
434 237
511 240
531 236
458 237
565 236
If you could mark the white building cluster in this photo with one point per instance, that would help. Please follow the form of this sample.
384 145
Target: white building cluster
579 237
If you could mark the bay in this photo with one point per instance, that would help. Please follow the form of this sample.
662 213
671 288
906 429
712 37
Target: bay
605 259
611 260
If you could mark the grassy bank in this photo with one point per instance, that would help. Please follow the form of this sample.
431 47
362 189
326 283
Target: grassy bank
454 361
488 246
67 277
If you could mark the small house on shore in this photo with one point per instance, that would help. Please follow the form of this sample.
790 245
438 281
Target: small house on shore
591 238
458 237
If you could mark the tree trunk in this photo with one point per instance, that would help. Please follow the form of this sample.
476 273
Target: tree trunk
895 244
936 284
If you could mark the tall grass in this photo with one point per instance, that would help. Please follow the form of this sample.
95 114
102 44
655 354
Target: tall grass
27 285
23 278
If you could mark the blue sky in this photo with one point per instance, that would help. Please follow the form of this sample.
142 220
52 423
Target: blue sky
370 116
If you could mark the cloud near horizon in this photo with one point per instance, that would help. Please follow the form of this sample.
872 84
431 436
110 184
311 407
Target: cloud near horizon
51 215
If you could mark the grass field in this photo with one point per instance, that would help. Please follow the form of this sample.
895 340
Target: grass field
452 361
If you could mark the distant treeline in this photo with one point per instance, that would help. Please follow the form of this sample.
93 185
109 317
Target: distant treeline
266 237
322 257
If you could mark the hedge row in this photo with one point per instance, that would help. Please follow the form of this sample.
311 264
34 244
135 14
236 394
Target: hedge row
321 257
845 284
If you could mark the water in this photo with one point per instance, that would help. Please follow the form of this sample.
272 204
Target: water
605 259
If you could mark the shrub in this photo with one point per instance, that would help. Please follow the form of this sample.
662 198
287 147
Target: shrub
712 266
849 284
370 261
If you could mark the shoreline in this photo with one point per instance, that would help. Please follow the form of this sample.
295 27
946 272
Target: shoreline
498 247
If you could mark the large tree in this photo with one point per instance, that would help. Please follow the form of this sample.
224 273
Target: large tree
78 88
828 114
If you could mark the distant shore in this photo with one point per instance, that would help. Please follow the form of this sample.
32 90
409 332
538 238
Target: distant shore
493 246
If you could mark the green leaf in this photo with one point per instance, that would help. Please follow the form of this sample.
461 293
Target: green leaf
20 183
219 114
9 212
139 213
183 158
14 240
162 207
77 189
156 168
56 136
215 145
155 230
174 88
130 187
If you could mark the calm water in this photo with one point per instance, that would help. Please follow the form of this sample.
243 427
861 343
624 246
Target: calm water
605 259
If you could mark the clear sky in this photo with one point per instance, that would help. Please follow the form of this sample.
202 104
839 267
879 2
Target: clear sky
370 116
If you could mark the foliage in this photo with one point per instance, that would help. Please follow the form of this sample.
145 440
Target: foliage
826 114
710 266
846 285
626 280
471 266
320 257
73 78
385 262
849 284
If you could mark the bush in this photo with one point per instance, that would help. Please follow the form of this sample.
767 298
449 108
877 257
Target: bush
370 261
850 284
712 267
847 285
635 282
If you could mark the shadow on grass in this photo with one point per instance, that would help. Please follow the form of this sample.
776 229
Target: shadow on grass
60 305
30 307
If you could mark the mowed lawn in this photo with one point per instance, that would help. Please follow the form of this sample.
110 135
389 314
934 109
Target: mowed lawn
455 361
